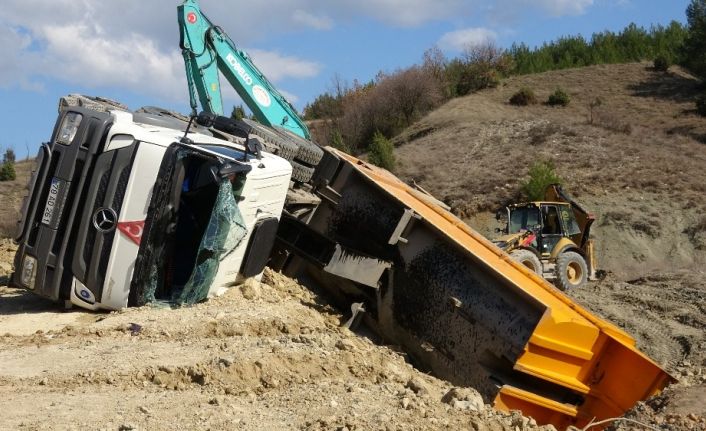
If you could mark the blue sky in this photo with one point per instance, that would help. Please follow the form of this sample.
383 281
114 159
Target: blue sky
128 50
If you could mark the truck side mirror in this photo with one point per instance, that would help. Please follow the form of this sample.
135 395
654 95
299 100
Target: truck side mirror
254 147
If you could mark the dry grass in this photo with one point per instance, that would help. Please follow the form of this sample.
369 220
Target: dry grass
644 136
12 193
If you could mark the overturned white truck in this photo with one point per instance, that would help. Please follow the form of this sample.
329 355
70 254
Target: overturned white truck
126 208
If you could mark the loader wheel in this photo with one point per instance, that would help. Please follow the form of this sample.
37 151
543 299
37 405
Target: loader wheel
528 259
571 271
273 142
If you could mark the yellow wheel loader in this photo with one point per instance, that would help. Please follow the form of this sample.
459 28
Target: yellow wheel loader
550 237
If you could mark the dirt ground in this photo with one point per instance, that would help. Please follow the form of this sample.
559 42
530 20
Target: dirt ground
265 356
273 355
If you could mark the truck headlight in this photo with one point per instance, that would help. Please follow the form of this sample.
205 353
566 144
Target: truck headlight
69 127
29 271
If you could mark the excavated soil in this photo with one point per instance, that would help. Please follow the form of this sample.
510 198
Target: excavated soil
264 356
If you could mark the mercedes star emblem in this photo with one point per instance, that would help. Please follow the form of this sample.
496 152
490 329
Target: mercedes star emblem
105 220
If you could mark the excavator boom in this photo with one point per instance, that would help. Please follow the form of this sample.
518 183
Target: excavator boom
207 49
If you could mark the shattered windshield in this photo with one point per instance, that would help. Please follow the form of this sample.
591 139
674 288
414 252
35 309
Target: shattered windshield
194 223
523 219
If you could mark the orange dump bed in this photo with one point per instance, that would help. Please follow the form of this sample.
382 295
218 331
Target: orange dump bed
569 347
461 306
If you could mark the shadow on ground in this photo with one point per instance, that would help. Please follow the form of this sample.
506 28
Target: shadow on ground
18 301
690 131
668 86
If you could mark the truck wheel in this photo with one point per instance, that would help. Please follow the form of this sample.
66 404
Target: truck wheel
301 173
273 142
308 152
528 259
571 271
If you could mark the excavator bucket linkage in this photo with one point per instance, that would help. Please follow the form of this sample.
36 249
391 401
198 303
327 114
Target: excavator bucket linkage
458 304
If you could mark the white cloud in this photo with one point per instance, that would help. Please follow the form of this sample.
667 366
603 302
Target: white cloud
563 7
291 98
83 55
318 22
503 12
276 66
407 12
460 39
129 44
17 59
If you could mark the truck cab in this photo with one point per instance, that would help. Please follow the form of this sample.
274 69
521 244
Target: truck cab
122 208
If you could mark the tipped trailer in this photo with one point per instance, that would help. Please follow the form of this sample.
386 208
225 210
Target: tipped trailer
458 304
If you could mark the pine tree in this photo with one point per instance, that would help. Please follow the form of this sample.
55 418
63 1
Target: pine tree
694 52
381 152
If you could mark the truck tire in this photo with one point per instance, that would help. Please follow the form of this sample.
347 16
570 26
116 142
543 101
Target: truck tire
571 271
308 152
528 259
273 142
301 173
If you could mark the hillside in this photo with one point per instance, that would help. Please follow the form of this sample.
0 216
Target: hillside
12 193
639 166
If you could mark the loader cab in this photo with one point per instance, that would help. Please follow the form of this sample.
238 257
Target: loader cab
549 221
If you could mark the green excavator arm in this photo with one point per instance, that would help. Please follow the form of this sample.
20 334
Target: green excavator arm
207 49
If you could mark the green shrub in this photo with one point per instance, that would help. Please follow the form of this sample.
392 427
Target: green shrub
701 105
662 63
338 143
7 171
541 174
559 98
523 97
381 152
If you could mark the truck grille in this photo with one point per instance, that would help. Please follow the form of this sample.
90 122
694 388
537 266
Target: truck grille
67 245
111 173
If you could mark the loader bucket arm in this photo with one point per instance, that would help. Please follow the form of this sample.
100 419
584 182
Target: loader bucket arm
460 305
